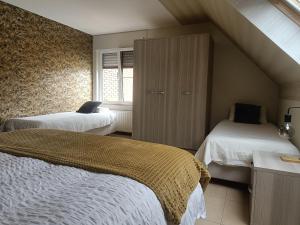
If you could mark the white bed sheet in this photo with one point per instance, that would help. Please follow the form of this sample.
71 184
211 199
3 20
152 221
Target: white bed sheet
71 121
35 192
231 143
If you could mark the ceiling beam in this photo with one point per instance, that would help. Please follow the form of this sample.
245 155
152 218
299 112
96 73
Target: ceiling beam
186 12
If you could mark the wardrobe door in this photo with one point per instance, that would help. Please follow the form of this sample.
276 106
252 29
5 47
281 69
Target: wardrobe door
193 92
173 93
138 86
150 79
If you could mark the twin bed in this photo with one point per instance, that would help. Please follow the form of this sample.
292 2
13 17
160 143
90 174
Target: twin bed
101 122
228 149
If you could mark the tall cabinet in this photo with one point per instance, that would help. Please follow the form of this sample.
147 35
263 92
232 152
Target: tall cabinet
171 90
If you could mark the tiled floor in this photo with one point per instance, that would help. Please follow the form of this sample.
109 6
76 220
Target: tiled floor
225 206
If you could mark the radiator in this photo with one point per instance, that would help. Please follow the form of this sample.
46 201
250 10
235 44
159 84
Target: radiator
123 121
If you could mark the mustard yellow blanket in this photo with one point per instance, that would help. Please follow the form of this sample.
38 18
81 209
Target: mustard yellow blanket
170 172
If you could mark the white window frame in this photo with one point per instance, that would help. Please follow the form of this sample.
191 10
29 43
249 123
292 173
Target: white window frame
99 75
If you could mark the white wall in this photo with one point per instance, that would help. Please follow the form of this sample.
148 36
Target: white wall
235 76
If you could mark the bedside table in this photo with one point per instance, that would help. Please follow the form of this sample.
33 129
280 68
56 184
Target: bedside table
275 196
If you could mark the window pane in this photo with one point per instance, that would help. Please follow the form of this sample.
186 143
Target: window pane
295 4
111 87
110 60
127 84
127 59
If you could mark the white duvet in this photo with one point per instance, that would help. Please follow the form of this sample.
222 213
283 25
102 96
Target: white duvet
35 192
231 143
71 121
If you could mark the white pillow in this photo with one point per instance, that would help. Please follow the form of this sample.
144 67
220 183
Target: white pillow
262 118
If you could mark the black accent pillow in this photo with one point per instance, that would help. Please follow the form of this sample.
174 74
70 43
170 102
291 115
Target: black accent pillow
246 113
89 107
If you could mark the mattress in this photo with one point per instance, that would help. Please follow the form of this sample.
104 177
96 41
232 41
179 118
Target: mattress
71 121
231 143
109 129
35 192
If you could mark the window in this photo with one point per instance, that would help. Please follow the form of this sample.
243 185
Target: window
291 8
116 76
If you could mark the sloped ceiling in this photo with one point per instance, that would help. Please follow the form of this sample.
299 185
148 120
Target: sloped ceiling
186 12
269 38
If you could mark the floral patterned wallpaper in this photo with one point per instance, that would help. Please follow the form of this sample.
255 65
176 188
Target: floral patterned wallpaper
45 67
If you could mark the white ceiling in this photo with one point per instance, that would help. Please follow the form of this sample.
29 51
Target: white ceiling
102 16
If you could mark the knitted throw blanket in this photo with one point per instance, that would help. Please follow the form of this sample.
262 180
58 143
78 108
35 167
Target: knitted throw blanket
170 172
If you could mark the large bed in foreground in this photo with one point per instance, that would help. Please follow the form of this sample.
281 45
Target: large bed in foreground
116 181
228 149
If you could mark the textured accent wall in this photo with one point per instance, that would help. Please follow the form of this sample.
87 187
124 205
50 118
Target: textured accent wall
45 67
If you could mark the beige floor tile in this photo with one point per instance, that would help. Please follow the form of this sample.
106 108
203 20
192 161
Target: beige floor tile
235 213
205 222
215 190
237 195
214 208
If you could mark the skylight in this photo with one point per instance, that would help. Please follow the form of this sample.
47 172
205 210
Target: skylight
290 8
295 4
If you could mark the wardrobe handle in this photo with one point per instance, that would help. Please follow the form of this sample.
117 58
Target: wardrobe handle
187 93
157 92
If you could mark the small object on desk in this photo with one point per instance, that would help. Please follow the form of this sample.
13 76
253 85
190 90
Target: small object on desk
293 159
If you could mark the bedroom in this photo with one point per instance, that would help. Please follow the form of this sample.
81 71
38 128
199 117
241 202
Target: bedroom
58 55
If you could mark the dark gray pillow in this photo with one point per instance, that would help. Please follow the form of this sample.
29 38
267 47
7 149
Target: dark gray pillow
246 113
89 107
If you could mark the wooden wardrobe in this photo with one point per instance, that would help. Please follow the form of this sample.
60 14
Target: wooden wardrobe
171 90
